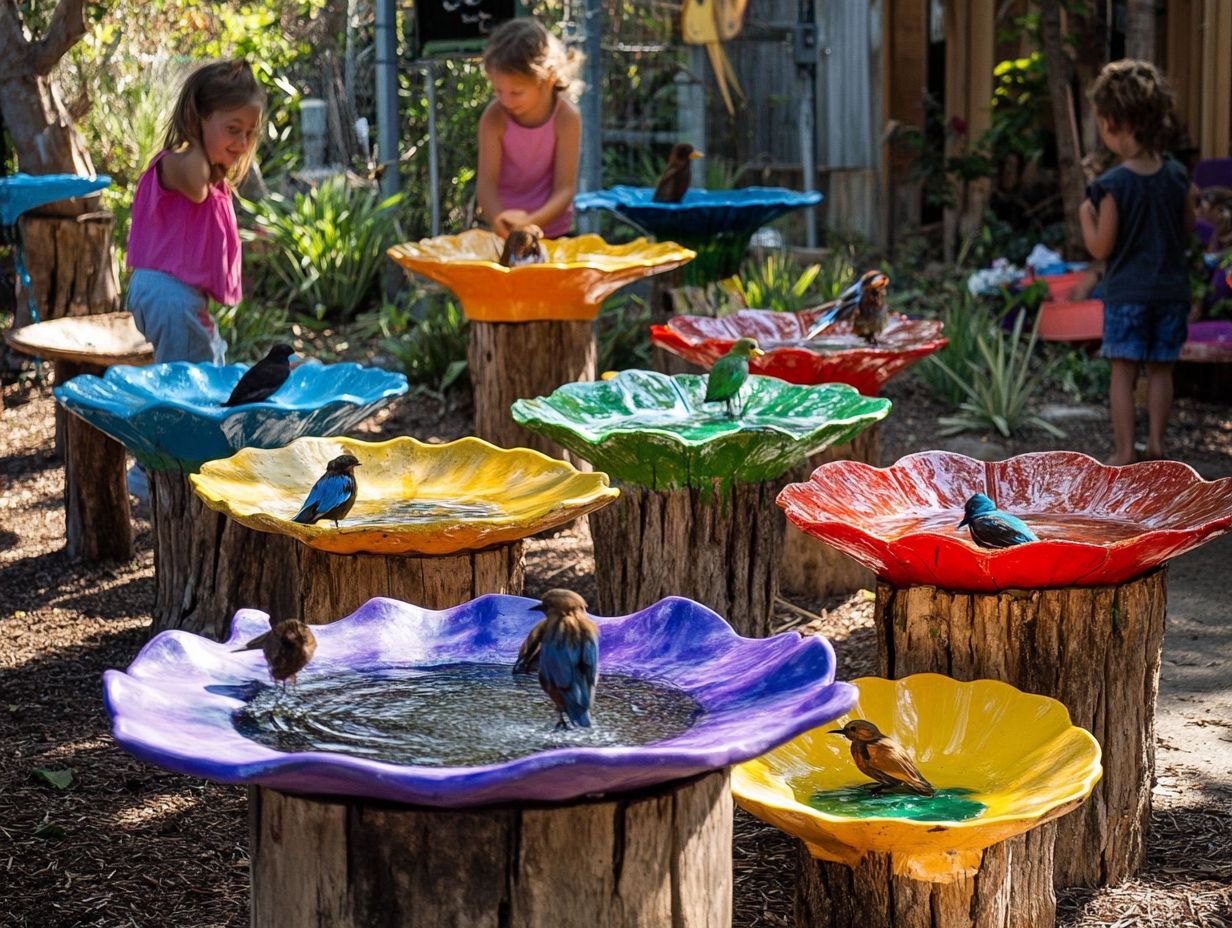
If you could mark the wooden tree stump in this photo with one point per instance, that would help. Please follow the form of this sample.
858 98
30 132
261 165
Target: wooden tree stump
1096 649
517 360
1011 889
97 523
721 548
207 566
72 266
811 568
660 858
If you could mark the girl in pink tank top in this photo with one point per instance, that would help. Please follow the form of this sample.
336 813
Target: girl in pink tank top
183 242
530 134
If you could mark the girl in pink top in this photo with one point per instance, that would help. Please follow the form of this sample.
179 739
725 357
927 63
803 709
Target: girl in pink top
183 243
530 134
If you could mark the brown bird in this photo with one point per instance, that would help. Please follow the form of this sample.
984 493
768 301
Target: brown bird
565 648
524 246
864 303
674 181
882 758
288 647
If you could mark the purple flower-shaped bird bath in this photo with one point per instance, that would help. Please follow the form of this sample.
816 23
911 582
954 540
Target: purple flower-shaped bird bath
175 704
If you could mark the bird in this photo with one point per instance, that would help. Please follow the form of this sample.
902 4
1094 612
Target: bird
565 645
882 758
863 302
262 380
992 528
288 647
333 495
524 245
674 181
730 372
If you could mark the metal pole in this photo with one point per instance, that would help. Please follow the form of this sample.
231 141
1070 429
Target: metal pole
591 175
434 170
806 69
387 95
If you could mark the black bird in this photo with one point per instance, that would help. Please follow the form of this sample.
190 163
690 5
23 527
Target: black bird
992 528
333 495
524 245
262 380
288 647
674 181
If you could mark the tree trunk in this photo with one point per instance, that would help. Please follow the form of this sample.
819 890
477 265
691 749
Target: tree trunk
516 360
72 267
97 526
659 858
1065 122
721 549
1096 649
812 568
1140 29
1011 889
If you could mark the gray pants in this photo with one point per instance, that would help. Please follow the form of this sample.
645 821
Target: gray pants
174 318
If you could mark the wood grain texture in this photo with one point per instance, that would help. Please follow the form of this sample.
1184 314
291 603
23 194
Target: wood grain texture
721 550
659 858
1095 649
517 360
72 266
1012 888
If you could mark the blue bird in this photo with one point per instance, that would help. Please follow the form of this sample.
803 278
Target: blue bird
566 645
991 528
863 302
333 495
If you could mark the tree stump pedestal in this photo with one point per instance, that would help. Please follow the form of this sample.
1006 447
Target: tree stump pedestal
1012 888
719 546
659 858
1095 649
515 360
811 568
207 566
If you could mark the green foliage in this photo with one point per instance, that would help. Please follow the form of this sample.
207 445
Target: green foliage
251 328
432 351
963 318
60 779
323 249
622 327
775 282
1082 376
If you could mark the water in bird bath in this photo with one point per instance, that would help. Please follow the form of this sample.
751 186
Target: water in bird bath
1049 526
454 715
947 805
379 511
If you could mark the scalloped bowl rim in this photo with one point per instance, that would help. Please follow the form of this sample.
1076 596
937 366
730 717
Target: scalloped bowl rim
773 196
654 255
699 341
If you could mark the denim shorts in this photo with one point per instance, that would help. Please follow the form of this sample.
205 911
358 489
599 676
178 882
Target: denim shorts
174 318
1145 331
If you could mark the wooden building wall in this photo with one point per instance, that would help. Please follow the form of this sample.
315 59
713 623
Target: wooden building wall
1198 61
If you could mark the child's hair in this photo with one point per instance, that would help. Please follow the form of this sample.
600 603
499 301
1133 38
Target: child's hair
523 46
1134 96
219 85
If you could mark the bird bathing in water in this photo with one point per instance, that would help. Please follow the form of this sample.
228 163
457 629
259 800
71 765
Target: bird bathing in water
674 181
992 528
564 647
864 303
288 647
882 758
730 373
524 245
333 495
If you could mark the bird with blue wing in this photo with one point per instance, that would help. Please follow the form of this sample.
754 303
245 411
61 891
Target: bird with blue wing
333 495
565 643
262 380
731 372
864 303
992 528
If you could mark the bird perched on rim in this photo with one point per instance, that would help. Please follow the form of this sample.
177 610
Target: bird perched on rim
564 647
333 495
992 528
674 181
864 302
730 372
882 758
524 245
288 647
262 380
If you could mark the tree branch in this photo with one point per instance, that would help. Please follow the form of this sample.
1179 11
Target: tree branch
68 24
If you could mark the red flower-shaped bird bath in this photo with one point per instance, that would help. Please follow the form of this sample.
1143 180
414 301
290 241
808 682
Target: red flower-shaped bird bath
1097 525
835 356
1077 615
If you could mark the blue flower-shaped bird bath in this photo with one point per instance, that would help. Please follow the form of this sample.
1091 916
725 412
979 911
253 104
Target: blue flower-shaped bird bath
171 417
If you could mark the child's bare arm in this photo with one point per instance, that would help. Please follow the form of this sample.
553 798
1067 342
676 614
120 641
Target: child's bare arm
487 174
187 172
565 170
1099 226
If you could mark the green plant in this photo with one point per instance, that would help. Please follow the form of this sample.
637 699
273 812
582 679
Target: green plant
772 283
324 247
250 328
621 333
999 386
963 319
1081 376
433 351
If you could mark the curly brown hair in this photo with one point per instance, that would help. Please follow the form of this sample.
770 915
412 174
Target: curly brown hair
523 46
218 85
1135 97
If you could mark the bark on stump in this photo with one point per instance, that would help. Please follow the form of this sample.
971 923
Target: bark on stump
719 547
72 266
97 523
207 566
517 360
660 858
1095 649
1011 889
811 568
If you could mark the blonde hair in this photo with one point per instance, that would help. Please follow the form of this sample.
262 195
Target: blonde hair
1135 97
219 85
524 47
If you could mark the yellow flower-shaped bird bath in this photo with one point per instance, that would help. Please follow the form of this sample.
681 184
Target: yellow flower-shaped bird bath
1003 762
435 525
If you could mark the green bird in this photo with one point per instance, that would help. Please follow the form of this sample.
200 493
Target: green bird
730 372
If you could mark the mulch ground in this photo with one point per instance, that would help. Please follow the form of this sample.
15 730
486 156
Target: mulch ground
127 844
